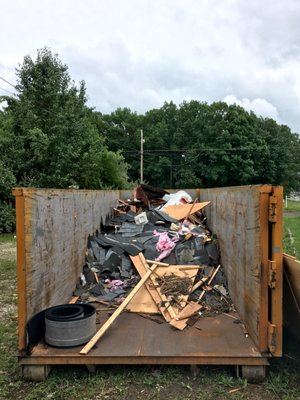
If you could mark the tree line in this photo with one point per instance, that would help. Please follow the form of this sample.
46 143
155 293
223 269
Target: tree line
49 137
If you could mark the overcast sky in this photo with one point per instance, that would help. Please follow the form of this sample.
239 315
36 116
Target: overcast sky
141 53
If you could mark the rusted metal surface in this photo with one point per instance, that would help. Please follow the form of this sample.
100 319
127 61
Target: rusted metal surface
21 269
234 216
53 227
275 334
291 295
264 249
132 339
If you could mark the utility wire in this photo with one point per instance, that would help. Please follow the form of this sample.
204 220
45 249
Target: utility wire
5 90
150 152
7 82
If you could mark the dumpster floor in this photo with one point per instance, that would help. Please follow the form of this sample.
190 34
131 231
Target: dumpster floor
133 339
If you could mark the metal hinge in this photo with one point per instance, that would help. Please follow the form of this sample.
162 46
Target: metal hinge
272 331
273 209
272 274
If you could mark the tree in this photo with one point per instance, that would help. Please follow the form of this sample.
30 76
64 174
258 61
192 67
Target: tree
56 142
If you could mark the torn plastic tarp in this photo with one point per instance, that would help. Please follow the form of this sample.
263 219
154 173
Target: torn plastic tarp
164 245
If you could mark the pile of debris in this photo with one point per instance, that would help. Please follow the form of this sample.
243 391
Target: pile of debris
156 254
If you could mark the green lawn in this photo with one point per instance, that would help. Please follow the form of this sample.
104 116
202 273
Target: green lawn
291 236
293 206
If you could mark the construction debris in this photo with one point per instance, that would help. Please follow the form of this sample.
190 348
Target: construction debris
124 269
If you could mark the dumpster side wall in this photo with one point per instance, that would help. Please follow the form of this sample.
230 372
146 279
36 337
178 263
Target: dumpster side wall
234 216
55 228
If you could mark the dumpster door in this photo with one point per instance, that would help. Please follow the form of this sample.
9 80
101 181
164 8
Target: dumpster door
275 263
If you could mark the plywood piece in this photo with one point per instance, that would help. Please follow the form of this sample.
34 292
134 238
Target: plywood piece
143 303
178 270
181 211
141 267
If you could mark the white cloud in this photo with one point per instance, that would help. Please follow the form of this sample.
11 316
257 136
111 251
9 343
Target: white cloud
140 53
260 107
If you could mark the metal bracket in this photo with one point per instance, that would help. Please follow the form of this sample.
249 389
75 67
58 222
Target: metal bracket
272 330
272 274
273 209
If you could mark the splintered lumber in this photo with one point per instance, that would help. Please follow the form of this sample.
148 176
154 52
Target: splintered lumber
73 299
118 311
182 211
163 297
201 281
159 263
96 277
180 322
210 281
142 267
180 268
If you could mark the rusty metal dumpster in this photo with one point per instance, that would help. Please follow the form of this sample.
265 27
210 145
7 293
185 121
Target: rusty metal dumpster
52 231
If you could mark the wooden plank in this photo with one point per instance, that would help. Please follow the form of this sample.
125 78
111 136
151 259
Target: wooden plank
140 265
183 316
181 211
73 299
118 311
210 281
163 297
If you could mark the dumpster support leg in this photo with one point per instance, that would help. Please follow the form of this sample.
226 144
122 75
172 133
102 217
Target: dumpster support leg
36 373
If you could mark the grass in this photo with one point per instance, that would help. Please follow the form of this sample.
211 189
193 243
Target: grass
131 382
291 236
293 206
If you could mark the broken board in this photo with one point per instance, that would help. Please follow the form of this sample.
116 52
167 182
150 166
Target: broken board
143 303
182 211
153 293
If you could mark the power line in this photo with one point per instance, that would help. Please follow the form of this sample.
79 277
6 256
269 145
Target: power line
5 90
4 80
195 149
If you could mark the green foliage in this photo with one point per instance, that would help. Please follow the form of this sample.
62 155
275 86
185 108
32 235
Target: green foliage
201 145
54 140
7 217
7 212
